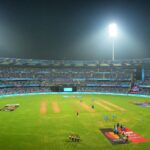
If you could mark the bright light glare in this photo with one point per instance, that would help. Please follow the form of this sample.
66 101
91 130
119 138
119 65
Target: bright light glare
113 30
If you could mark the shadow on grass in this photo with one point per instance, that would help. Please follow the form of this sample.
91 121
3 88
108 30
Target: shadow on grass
69 143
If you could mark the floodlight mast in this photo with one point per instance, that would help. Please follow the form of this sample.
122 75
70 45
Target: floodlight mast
113 34
113 49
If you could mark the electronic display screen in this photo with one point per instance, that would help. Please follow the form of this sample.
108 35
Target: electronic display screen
68 89
135 88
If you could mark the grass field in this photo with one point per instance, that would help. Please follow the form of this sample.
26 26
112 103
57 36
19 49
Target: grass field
44 122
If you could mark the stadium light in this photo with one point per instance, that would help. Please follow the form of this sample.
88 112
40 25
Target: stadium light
113 34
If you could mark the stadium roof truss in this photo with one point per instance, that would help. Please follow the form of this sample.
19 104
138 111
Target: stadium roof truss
77 63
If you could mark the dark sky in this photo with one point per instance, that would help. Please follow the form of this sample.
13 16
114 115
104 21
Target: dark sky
74 29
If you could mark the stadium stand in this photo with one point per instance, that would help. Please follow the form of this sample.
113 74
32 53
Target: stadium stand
27 75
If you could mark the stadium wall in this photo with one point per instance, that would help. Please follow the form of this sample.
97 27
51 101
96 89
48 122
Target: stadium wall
95 93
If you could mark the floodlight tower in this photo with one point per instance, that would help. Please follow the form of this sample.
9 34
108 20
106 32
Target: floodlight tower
113 34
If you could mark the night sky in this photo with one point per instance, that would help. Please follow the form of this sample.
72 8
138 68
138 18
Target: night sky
74 29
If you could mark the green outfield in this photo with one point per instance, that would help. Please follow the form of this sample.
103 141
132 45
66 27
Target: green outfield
44 122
